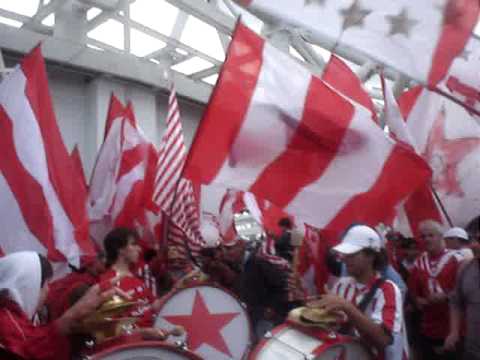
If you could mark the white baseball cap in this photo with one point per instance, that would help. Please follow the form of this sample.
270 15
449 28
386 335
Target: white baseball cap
456 232
357 238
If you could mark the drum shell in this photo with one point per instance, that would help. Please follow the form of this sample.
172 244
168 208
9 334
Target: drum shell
145 350
289 343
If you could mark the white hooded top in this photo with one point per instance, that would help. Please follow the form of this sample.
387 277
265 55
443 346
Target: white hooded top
20 274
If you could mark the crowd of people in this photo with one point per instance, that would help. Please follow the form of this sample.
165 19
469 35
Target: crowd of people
416 298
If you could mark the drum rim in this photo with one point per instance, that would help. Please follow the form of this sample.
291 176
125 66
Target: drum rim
168 296
143 344
276 330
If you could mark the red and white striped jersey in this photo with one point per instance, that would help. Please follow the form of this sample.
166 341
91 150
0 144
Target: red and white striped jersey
437 273
385 309
434 276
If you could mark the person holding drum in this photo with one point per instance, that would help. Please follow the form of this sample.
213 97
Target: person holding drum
372 304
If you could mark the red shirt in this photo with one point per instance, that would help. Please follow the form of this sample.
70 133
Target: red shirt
59 291
434 275
139 293
19 336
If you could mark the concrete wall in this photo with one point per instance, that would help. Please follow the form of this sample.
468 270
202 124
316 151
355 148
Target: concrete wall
81 105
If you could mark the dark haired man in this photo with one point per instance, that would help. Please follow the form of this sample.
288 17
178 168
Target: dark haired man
122 253
372 304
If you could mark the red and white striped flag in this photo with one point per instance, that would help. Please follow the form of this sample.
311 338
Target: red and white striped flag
121 187
39 206
421 204
174 195
274 129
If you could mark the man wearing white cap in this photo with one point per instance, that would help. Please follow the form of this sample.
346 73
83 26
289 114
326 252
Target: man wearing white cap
457 239
372 304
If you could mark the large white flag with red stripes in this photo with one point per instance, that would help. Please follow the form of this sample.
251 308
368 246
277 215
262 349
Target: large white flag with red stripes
448 137
274 129
174 195
121 187
421 204
39 206
417 38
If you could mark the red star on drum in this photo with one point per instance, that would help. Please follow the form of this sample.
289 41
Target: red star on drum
216 324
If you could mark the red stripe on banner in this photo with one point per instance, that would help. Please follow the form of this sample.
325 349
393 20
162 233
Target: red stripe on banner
344 80
325 121
27 191
131 158
389 307
421 206
402 172
132 207
60 167
130 115
460 18
225 115
77 162
408 99
115 111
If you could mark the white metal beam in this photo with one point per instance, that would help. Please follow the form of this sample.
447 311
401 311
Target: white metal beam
206 12
124 66
168 40
43 12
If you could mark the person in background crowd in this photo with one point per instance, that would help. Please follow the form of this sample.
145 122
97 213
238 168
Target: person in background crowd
372 303
457 239
24 278
410 253
264 289
283 245
178 265
91 267
465 304
431 282
473 229
122 253
215 266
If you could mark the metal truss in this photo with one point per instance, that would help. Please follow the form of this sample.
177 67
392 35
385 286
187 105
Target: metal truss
221 14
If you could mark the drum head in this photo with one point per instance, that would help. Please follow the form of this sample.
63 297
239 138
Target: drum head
145 351
216 323
286 343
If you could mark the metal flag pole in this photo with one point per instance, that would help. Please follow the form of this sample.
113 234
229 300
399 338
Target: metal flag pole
442 207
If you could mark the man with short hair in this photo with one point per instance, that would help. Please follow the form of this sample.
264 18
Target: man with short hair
122 253
372 304
431 281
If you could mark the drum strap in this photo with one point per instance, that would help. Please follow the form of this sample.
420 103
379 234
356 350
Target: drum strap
362 306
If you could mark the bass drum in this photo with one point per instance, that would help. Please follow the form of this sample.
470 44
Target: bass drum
287 343
216 323
145 350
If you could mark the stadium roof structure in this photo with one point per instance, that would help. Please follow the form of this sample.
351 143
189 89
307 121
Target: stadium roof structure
157 41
